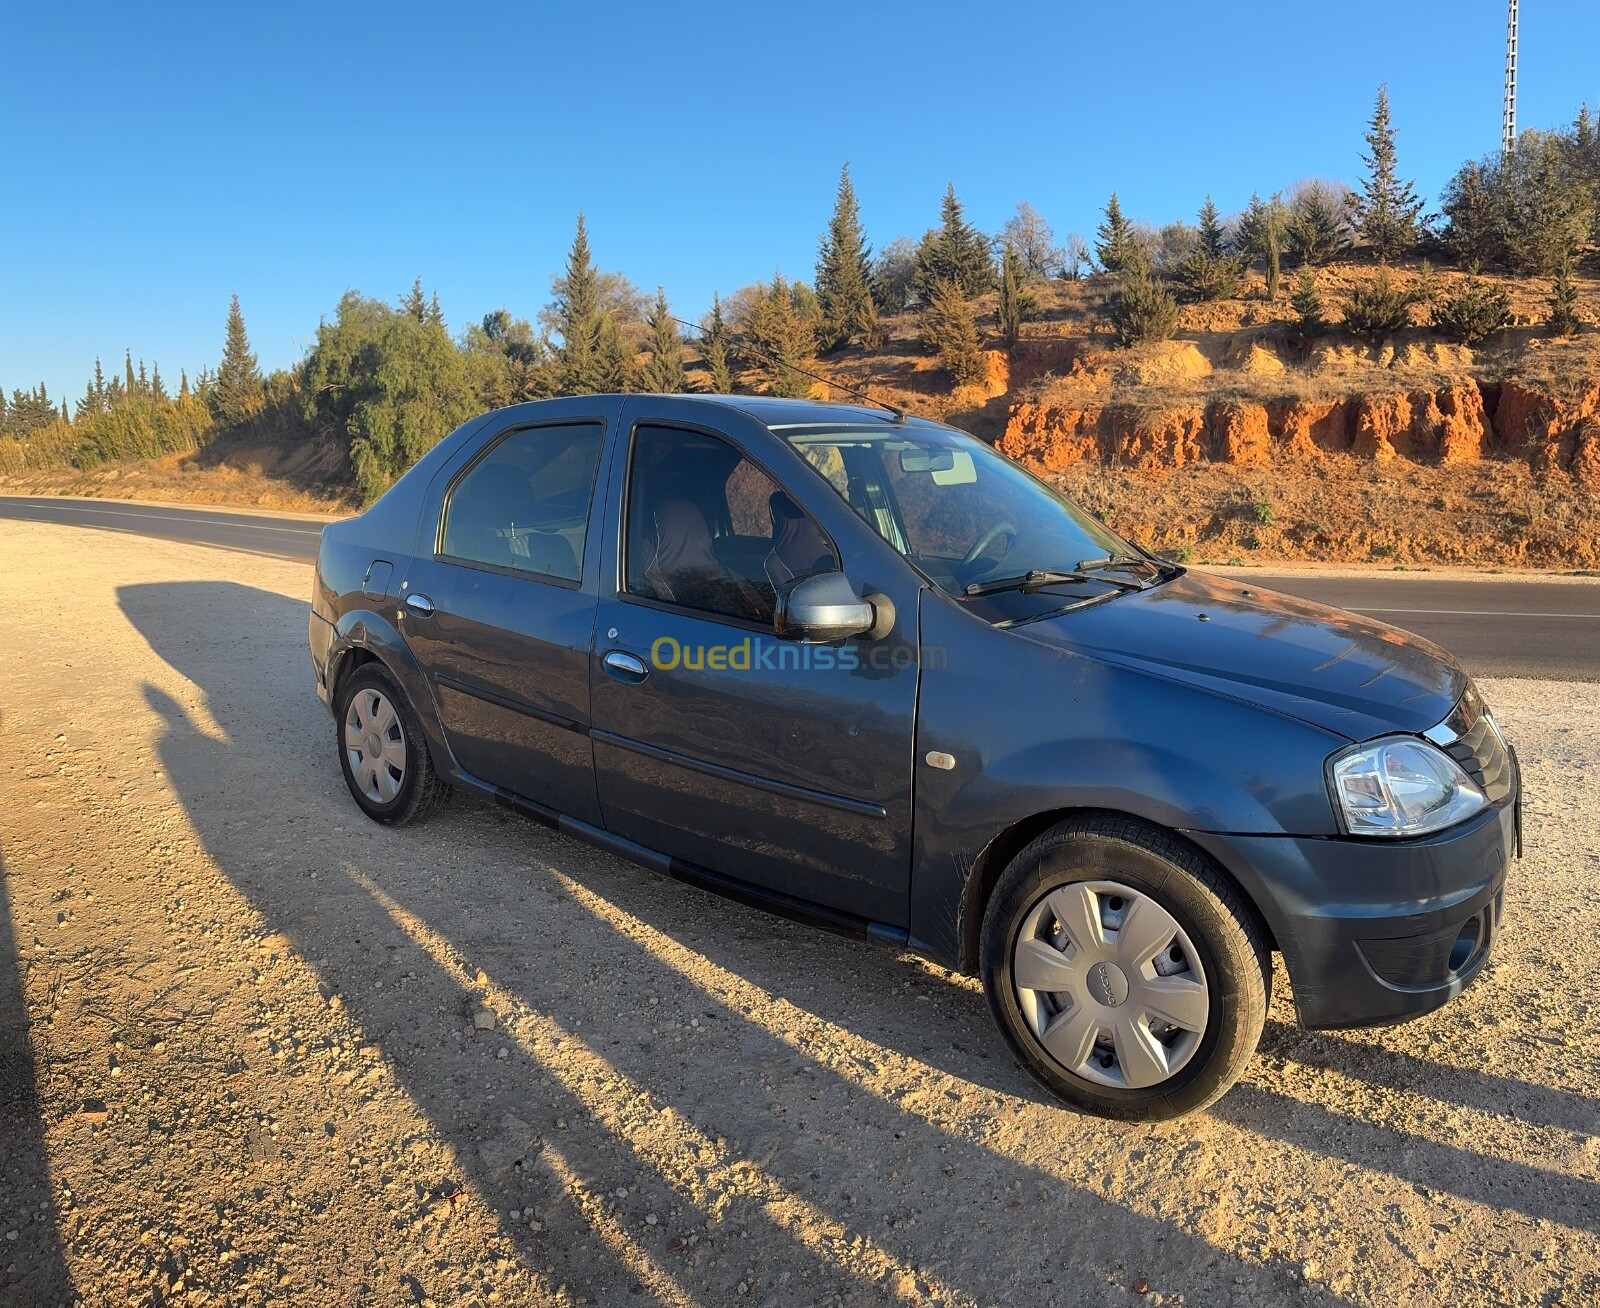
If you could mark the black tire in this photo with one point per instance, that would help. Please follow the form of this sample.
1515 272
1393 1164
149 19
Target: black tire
1222 926
419 786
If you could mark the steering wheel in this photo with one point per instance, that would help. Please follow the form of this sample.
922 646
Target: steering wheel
984 541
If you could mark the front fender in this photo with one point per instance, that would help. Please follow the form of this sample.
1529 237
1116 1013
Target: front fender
1086 736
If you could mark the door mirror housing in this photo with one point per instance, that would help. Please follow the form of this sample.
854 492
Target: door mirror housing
825 607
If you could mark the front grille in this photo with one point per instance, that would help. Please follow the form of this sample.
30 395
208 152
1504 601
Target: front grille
1470 736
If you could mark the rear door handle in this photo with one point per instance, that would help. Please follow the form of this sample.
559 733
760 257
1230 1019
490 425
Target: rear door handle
624 666
419 604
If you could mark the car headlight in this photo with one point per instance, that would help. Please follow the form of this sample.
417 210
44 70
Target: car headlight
1401 786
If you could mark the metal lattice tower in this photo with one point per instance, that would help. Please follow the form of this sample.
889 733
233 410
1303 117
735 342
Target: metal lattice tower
1508 121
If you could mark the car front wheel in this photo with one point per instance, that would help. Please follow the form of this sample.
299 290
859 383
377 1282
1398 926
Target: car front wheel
1128 975
382 750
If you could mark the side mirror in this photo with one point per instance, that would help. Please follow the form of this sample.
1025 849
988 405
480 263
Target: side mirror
824 607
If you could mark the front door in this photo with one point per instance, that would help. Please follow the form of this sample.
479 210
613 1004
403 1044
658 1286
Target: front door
501 618
783 765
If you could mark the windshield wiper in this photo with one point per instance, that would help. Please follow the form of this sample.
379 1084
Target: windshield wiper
1114 561
1038 577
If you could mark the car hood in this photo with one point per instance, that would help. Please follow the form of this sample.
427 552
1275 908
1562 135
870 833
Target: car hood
1323 665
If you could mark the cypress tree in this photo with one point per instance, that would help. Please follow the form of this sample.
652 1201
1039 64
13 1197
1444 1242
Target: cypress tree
1114 243
950 332
1017 303
129 382
662 373
844 276
714 350
954 251
64 416
435 315
237 395
183 383
1307 306
1564 302
99 387
578 319
1388 209
158 390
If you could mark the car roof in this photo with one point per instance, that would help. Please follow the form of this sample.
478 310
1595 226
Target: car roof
771 411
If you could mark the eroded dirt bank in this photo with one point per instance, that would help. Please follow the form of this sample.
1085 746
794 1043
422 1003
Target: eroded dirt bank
249 1057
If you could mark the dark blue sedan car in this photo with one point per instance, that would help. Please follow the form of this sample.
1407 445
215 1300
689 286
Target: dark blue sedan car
862 670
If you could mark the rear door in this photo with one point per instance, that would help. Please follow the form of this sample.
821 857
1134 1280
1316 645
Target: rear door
499 602
785 766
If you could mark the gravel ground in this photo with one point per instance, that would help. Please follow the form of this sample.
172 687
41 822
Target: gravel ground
254 1048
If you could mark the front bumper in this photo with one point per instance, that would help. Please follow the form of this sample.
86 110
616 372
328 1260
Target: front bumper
1372 932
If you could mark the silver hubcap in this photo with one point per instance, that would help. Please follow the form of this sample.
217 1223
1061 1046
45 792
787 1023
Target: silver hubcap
1109 984
375 745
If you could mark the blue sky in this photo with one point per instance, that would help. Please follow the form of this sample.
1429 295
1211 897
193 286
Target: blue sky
155 159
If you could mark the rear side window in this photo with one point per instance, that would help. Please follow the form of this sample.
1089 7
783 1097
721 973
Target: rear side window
524 505
707 529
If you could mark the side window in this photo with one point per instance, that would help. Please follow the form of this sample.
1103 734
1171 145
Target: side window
709 530
525 504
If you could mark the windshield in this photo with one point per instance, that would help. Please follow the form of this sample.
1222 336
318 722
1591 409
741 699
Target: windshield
966 516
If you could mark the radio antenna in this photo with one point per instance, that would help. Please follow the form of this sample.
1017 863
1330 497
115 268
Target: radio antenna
868 397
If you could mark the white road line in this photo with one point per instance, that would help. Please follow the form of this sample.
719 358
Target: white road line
169 517
1474 613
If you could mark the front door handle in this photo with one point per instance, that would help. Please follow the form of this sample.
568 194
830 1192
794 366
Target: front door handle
624 666
419 604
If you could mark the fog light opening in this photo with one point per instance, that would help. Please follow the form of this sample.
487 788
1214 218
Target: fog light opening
1465 949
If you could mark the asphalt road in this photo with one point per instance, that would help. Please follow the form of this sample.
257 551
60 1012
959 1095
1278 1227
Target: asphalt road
1497 628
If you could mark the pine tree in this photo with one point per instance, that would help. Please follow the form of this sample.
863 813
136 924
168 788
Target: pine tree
950 331
579 321
954 251
158 390
662 373
779 342
1315 229
435 315
844 276
414 304
1213 236
1144 309
183 382
1017 303
1307 305
714 350
1564 302
1388 209
237 395
129 381
99 388
1208 272
1115 244
144 382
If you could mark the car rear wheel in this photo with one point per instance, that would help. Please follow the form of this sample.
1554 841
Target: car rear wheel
1128 975
382 750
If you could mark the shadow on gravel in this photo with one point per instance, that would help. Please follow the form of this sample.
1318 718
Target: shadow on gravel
1481 1091
764 1160
32 1269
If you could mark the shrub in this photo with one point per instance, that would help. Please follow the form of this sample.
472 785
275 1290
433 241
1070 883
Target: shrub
1472 310
1380 309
